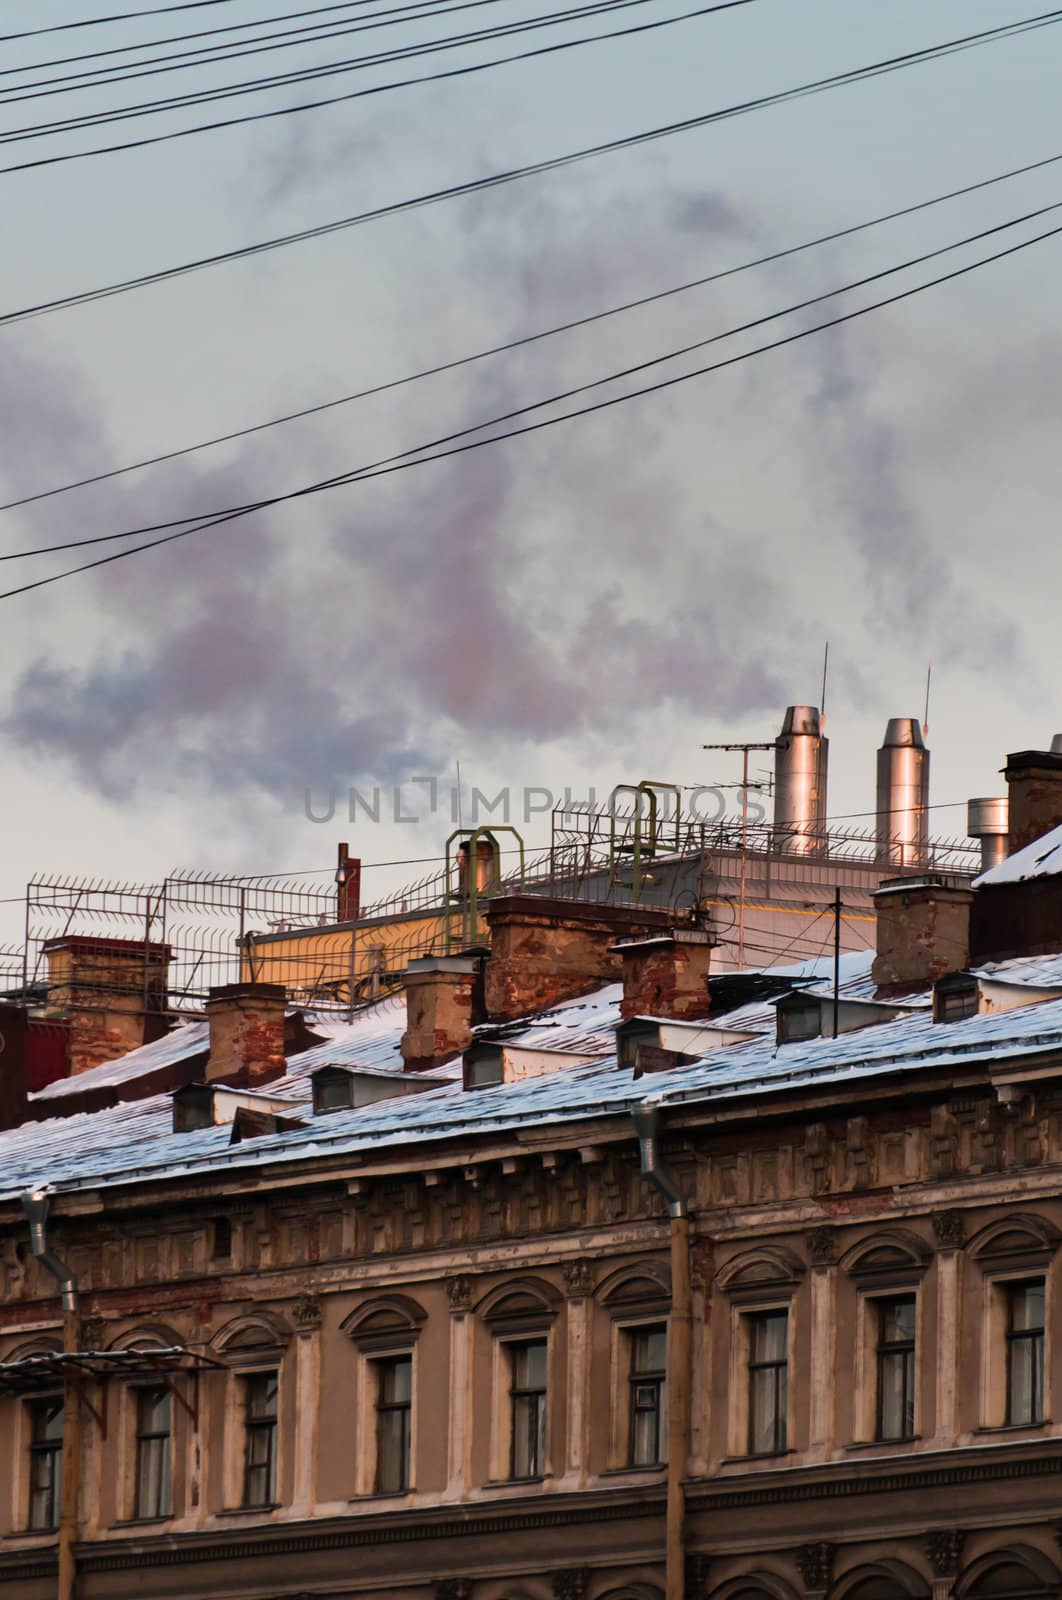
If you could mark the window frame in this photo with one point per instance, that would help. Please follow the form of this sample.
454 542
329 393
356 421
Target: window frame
142 1437
402 1408
532 1401
1037 1337
39 1449
885 1349
645 1376
781 1402
256 1427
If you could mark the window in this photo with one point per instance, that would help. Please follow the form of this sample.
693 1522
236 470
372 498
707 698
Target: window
896 1367
527 1394
1025 1352
768 1382
260 1439
222 1239
648 1376
153 1479
394 1405
46 1462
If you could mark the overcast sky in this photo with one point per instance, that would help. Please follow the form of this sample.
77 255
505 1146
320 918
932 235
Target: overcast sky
587 604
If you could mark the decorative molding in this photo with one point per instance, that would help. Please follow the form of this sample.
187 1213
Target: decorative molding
578 1279
815 1562
90 1333
570 1583
822 1246
453 1589
944 1549
306 1312
459 1293
266 1541
949 1229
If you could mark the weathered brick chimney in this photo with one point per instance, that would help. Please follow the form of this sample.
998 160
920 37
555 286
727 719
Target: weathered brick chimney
923 931
440 995
666 974
113 993
246 1033
543 950
1034 785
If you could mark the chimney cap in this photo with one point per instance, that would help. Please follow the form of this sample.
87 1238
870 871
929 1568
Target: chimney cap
1030 760
654 941
246 991
429 964
801 720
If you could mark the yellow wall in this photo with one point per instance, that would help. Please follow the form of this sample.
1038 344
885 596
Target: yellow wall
318 962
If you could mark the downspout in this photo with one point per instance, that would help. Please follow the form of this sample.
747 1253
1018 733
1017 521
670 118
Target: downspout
646 1119
35 1205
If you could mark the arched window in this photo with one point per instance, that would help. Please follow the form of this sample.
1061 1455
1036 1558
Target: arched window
760 1284
384 1331
1019 1572
1015 1254
887 1579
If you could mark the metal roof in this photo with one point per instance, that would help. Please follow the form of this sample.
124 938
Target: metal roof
134 1141
1040 859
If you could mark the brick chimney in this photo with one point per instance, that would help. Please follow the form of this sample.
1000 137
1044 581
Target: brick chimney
1034 785
440 995
246 1033
666 974
923 931
112 991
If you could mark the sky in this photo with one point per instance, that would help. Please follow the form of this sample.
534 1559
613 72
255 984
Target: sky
583 605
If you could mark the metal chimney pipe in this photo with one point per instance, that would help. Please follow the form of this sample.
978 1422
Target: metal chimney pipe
903 794
988 820
801 761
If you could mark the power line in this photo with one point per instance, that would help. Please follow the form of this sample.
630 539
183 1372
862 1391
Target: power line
567 394
183 38
45 88
402 462
818 86
531 338
202 97
121 16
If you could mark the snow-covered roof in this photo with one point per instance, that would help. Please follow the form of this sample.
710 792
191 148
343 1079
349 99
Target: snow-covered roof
1041 859
134 1141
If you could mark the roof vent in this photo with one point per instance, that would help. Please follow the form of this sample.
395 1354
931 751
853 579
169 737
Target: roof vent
489 1062
337 1088
801 1015
212 1105
655 1044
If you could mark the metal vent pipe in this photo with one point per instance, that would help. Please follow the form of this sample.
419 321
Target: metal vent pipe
989 821
903 794
801 762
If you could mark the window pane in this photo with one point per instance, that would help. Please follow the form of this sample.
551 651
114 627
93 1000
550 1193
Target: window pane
1026 1379
392 1474
1026 1306
650 1350
769 1336
768 1382
896 1398
260 1467
262 1396
46 1463
394 1395
897 1321
153 1453
396 1380
529 1365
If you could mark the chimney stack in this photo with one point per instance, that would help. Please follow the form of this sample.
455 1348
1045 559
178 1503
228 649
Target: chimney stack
348 886
440 997
1034 785
544 950
903 794
113 993
246 1033
666 974
801 762
923 931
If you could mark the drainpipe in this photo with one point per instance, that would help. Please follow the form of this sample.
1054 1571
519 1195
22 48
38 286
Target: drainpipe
646 1119
35 1205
